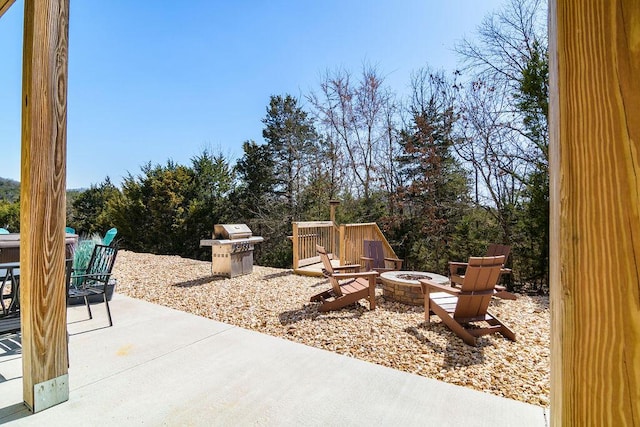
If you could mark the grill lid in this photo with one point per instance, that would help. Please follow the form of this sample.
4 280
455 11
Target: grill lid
231 231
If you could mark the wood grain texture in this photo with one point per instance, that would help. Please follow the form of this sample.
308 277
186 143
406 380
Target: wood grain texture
43 182
5 5
595 211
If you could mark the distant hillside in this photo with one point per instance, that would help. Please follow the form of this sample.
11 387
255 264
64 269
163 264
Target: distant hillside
9 190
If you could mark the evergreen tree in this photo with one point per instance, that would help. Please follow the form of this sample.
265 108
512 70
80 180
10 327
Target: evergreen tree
9 190
290 137
152 212
255 189
431 199
89 210
10 215
209 200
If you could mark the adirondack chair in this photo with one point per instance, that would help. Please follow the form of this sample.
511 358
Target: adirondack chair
456 270
326 261
357 286
374 258
109 236
460 307
95 278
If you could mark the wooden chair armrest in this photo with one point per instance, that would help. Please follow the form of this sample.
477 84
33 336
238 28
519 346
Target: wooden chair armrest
367 262
428 285
347 267
456 266
355 275
397 262
458 263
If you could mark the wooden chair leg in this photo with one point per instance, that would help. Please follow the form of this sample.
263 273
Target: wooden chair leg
427 308
322 296
504 329
505 294
456 327
372 294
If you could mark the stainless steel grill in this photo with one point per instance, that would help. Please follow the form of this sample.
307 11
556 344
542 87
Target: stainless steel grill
231 249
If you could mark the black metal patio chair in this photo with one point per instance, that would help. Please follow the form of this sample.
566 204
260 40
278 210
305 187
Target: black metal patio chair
94 280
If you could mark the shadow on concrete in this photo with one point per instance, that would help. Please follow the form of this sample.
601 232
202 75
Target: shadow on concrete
13 413
11 345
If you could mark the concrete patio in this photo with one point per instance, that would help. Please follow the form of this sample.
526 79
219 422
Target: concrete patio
159 366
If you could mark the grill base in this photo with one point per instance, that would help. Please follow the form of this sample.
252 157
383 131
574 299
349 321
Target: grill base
231 265
231 257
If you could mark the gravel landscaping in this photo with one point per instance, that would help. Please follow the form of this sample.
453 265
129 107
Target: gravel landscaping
276 302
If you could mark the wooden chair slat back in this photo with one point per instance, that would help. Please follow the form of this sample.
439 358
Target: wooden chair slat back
495 249
326 262
324 257
480 279
373 249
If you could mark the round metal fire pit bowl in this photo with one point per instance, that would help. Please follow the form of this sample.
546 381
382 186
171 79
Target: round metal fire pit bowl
404 286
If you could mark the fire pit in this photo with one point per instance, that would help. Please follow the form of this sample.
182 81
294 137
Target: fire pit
231 249
404 286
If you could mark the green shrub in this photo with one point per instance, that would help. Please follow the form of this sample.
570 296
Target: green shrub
83 251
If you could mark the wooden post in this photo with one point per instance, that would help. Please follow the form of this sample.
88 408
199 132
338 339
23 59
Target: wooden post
42 204
296 245
343 245
332 210
595 212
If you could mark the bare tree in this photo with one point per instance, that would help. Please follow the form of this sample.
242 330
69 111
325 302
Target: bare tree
389 174
505 119
506 40
485 144
357 116
510 56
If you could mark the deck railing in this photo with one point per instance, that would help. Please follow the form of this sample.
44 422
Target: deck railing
306 235
346 243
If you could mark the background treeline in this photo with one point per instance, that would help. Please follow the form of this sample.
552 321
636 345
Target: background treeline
460 162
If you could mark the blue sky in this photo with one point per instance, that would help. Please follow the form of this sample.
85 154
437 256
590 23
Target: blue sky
158 80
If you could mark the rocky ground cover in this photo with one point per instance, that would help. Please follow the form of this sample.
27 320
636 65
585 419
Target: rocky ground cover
276 302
